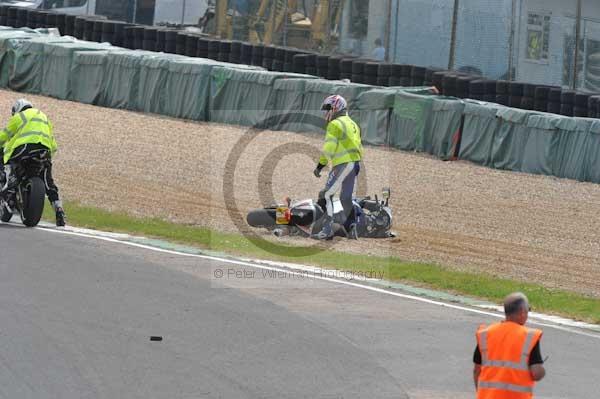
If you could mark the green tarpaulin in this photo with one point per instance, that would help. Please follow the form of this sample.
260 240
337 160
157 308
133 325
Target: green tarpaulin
10 40
445 121
373 110
573 139
592 153
288 100
88 76
541 146
409 121
58 60
123 78
243 97
154 73
511 137
479 128
28 71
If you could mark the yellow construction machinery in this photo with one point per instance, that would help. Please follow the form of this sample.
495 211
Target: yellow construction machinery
301 23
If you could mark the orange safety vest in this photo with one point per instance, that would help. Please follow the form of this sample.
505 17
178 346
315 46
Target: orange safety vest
505 349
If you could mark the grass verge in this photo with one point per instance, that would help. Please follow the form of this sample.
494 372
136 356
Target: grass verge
483 286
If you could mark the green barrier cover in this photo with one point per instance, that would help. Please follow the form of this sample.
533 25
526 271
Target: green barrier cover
58 60
409 121
123 78
286 112
88 76
592 153
574 136
444 127
511 137
243 97
27 74
374 108
154 73
479 129
10 40
541 146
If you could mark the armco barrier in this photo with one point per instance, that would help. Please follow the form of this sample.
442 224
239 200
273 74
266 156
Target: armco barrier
200 89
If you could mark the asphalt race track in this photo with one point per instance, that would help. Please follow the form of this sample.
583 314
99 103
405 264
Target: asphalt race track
77 314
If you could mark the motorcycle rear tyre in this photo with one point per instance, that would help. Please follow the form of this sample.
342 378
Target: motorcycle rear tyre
262 218
34 193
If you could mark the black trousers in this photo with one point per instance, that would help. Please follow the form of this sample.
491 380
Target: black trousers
23 151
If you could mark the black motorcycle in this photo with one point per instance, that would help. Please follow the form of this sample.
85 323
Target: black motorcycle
306 217
27 198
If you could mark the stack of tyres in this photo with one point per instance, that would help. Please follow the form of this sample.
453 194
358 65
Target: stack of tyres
322 66
395 75
171 41
97 32
88 29
161 38
417 75
224 50
138 37
11 16
180 43
540 102
581 105
502 96
3 15
405 72
554 98
268 57
235 55
213 49
299 63
311 64
450 85
79 27
51 20
593 106
477 89
346 68
288 61
149 39
429 76
128 35
108 32
384 71
43 19
371 69
278 59
202 50
191 46
567 102
528 100
256 53
490 91
358 71
61 23
437 79
119 38
463 84
22 17
334 68
247 55
32 18
515 91
69 25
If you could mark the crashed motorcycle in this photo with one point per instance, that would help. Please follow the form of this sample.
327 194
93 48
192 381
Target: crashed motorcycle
305 218
27 199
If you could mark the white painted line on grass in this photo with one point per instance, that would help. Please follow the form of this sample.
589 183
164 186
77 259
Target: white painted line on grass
539 319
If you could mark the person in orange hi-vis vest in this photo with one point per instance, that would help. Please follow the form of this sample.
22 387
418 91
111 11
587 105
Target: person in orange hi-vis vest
508 360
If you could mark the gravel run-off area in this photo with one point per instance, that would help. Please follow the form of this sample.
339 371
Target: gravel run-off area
463 216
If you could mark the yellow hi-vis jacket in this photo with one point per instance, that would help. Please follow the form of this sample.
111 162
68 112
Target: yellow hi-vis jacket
343 143
27 127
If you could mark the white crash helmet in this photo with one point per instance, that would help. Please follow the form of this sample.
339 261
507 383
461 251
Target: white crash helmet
334 105
21 105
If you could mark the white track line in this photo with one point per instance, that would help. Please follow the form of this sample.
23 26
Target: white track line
102 236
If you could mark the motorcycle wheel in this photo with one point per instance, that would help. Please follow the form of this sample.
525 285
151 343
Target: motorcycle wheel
262 218
5 215
33 193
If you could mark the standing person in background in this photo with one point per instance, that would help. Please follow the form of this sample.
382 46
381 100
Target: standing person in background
507 358
379 51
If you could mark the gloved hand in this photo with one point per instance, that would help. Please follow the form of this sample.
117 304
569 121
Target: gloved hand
318 170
